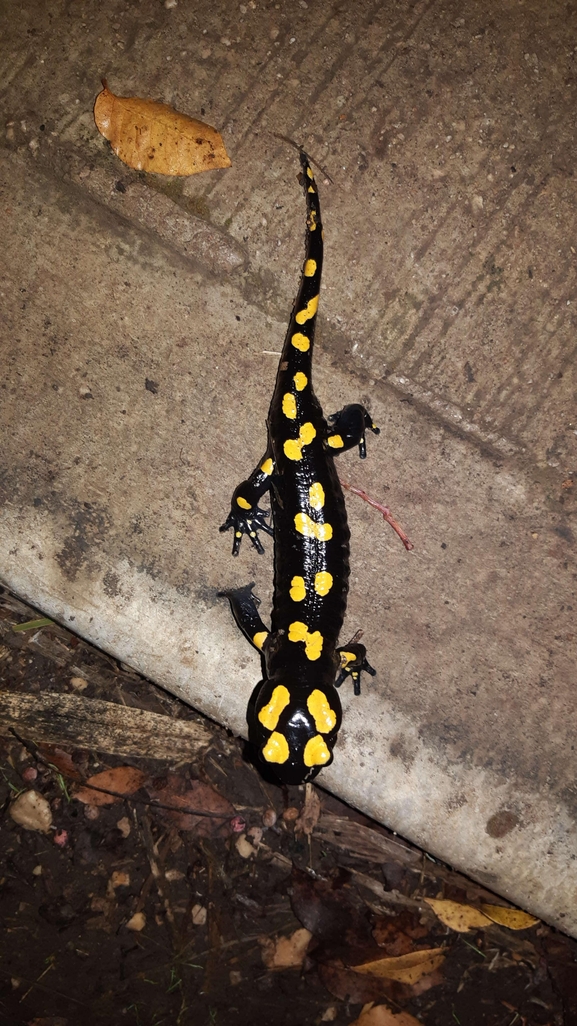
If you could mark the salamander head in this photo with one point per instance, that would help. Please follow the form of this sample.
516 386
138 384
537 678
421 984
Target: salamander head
294 727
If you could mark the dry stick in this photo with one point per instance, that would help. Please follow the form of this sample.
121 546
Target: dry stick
159 878
387 515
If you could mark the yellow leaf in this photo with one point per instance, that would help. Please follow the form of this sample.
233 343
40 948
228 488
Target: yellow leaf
152 136
404 968
380 1015
458 917
512 918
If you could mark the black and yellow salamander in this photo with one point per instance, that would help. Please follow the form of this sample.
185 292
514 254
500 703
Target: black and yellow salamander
294 714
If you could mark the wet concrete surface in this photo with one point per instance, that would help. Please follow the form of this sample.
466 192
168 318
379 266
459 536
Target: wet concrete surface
138 365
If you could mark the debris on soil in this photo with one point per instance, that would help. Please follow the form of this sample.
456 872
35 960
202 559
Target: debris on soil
188 890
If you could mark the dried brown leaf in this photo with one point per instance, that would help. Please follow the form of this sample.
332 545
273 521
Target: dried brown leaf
152 136
123 780
405 968
180 794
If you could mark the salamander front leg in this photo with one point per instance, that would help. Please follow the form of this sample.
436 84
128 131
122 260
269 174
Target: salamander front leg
244 607
348 427
353 661
246 516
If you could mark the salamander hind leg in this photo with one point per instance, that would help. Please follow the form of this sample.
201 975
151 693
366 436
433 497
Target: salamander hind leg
244 607
353 662
347 428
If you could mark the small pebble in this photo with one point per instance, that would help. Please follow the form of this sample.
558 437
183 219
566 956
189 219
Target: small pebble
269 818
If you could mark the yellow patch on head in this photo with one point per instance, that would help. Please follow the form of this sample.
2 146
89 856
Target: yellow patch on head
269 714
289 405
335 442
323 582
298 590
320 710
316 752
317 495
243 503
308 312
310 268
306 526
293 447
267 467
301 381
301 342
309 172
259 638
313 642
276 748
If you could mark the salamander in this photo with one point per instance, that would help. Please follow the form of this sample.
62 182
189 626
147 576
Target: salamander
294 713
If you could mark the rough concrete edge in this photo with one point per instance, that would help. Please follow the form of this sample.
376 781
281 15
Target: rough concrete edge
125 196
195 659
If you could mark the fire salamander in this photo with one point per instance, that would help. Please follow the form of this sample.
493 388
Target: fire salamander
294 714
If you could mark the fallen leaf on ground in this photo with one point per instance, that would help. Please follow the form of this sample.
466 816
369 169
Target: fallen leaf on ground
285 952
183 794
405 968
462 918
62 760
456 916
380 1015
152 136
31 811
311 811
512 918
123 780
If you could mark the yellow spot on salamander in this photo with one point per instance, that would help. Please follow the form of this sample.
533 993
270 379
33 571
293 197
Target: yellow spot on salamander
335 442
259 638
316 752
311 188
320 710
309 172
267 467
323 582
243 503
317 495
298 590
306 526
347 658
308 312
310 268
276 748
313 221
300 341
289 405
269 714
293 447
313 642
301 381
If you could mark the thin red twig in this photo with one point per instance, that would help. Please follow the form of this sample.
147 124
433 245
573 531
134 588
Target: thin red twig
387 515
